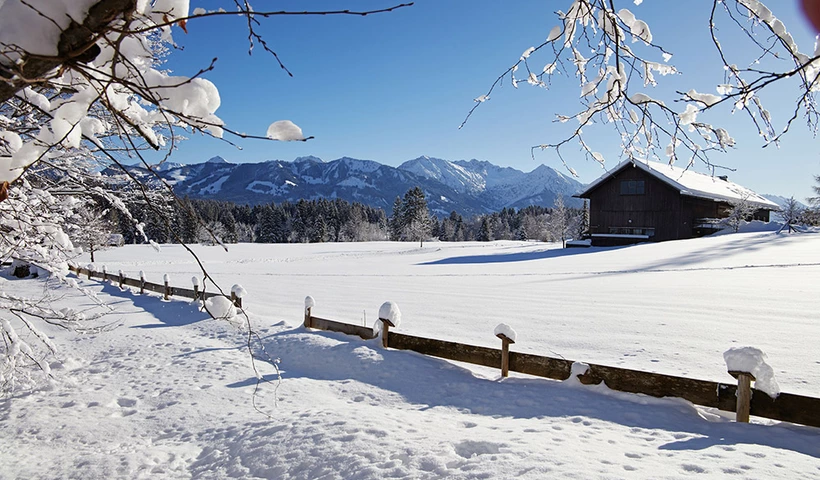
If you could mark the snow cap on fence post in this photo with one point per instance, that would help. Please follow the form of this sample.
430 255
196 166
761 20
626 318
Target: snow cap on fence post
748 364
142 282
167 280
90 269
195 282
507 336
237 292
309 304
753 361
390 316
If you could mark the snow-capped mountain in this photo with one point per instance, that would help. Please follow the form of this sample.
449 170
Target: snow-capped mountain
497 187
468 187
781 200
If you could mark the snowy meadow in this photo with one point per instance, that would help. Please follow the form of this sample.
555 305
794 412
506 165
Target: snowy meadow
168 392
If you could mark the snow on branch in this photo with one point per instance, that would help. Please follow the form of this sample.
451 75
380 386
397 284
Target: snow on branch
615 61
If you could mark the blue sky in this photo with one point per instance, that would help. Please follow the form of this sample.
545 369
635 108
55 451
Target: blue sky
392 87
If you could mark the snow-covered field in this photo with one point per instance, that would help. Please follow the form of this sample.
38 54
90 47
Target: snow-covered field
170 393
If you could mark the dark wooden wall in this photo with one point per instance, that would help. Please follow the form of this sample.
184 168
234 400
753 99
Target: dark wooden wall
660 207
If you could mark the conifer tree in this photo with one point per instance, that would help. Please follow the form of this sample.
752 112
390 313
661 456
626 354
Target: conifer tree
415 216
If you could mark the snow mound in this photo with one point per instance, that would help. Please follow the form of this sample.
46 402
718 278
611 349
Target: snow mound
390 311
577 369
506 330
753 360
195 281
220 307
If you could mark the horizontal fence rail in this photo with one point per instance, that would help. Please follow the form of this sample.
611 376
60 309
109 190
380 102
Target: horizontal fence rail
786 407
333 326
161 288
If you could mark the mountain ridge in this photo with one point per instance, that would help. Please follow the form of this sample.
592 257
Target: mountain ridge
468 187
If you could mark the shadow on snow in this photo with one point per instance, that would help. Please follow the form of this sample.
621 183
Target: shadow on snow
431 382
173 313
518 256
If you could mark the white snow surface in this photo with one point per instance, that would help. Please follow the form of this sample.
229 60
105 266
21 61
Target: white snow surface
214 187
506 330
168 393
390 311
753 360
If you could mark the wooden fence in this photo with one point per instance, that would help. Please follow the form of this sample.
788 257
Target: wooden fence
164 289
786 407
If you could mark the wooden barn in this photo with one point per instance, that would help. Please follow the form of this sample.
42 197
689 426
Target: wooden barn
641 201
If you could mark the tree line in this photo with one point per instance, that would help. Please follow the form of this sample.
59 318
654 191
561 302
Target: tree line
315 221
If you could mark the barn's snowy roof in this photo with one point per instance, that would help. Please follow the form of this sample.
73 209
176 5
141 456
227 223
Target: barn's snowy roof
689 182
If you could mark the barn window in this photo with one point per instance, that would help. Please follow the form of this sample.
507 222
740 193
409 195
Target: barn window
648 231
633 187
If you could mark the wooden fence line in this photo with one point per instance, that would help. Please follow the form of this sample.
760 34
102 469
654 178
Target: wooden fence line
161 288
787 407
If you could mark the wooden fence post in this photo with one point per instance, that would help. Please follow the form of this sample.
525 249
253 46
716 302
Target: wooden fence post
505 354
195 282
744 395
237 293
386 324
309 304
142 282
167 281
105 274
237 302
90 268
122 279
